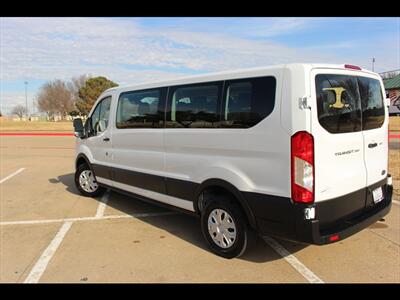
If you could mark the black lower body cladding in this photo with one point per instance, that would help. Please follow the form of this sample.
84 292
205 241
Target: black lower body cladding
172 187
344 215
274 215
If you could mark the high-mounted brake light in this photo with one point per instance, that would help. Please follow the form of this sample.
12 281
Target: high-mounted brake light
352 67
302 167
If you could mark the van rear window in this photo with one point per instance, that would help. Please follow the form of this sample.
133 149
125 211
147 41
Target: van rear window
373 110
349 103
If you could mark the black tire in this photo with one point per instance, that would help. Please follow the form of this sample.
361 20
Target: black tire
98 192
240 244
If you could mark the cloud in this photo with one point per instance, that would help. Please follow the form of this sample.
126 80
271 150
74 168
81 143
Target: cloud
44 48
255 27
130 51
11 99
271 27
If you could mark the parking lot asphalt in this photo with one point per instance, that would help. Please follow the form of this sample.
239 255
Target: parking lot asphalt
50 233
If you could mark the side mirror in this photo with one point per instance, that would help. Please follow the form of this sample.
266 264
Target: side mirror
78 128
88 127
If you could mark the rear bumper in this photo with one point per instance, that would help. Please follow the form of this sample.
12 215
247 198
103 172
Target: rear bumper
336 217
312 233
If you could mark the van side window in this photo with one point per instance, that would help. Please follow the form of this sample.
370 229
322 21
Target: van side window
100 116
373 110
248 101
194 106
141 109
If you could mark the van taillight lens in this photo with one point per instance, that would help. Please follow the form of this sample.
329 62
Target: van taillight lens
302 167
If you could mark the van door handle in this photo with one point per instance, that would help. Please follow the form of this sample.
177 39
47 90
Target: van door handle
106 139
372 145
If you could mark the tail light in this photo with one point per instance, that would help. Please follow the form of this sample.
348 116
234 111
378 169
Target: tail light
302 167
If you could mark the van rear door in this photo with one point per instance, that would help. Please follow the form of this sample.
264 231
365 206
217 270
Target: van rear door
338 140
375 131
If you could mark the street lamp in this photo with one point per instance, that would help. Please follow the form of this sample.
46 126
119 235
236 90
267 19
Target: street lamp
373 62
26 97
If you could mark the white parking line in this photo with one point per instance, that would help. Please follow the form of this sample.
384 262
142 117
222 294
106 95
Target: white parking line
41 265
33 222
102 205
293 261
11 175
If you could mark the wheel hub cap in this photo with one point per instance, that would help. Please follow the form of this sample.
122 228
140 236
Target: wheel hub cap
221 228
87 181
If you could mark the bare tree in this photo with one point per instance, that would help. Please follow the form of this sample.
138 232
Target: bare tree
389 75
19 110
55 97
45 102
76 83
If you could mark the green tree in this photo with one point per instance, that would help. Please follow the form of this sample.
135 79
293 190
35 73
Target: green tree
89 93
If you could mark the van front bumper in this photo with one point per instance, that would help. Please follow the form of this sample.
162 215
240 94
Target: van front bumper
334 220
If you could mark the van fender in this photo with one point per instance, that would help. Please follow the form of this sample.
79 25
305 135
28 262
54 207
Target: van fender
79 158
235 185
226 173
84 152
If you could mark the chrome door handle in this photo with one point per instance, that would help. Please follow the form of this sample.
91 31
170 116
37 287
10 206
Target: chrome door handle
372 145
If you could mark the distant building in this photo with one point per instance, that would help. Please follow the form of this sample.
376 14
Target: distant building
24 118
392 88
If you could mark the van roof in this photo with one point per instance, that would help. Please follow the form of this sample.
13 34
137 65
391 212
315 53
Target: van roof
218 75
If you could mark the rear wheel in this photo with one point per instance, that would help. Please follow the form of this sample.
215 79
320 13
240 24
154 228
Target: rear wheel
225 228
86 183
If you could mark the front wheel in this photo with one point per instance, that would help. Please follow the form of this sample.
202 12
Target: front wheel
225 228
86 182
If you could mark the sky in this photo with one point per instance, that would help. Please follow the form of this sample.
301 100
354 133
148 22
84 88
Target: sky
137 50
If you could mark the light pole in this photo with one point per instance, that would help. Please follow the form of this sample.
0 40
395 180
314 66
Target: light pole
26 97
373 62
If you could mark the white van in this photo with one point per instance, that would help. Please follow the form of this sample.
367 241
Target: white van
297 151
